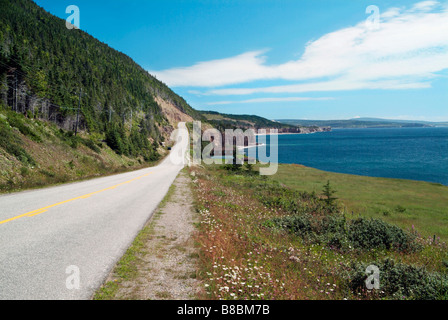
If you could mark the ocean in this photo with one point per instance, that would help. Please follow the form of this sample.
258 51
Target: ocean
405 153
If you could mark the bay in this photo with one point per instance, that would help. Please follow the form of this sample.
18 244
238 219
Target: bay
405 153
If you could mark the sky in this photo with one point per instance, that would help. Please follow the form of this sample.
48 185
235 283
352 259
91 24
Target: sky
285 59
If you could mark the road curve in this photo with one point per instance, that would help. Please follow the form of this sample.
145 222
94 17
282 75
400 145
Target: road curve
62 242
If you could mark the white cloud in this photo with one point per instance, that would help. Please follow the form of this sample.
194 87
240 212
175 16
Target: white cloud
239 69
407 51
334 85
264 100
424 5
390 13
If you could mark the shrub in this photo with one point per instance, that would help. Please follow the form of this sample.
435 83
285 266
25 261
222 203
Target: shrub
24 171
18 121
297 224
336 232
290 201
91 145
11 143
71 164
375 233
47 173
232 167
327 230
401 281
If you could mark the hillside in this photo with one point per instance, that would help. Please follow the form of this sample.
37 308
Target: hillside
44 66
223 121
35 153
358 123
57 83
428 123
241 121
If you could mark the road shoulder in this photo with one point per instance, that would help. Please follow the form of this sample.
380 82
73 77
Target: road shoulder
161 264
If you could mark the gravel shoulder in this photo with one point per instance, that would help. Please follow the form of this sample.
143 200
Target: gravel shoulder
162 262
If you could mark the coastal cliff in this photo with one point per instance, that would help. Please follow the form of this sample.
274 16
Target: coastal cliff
300 130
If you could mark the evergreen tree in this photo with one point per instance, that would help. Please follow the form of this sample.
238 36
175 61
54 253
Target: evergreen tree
328 193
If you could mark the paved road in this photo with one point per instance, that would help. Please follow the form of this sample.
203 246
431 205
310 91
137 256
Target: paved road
51 236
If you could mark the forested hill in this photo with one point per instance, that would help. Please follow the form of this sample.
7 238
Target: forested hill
44 65
223 121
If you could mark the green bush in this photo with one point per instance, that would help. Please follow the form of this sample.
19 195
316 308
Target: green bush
73 141
24 171
232 167
299 225
18 121
334 231
375 233
398 280
47 173
11 143
91 145
294 202
327 230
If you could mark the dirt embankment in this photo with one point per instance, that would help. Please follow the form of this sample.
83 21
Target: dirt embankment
173 114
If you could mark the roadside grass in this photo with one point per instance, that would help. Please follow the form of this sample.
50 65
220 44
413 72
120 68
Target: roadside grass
246 255
127 267
405 203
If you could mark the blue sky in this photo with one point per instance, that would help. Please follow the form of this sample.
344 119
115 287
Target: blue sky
297 59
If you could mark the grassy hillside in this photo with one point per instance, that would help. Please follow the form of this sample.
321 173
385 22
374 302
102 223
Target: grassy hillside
36 153
406 203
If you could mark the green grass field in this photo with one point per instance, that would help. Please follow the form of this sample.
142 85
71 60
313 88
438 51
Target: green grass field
402 202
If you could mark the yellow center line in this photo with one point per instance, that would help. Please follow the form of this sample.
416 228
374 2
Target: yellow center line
45 209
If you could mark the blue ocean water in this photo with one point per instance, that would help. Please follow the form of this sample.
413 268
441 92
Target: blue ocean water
405 153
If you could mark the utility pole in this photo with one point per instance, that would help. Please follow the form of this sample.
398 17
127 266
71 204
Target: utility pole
77 113
15 92
110 113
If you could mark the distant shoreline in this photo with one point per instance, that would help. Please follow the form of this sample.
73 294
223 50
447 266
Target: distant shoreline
285 133
329 152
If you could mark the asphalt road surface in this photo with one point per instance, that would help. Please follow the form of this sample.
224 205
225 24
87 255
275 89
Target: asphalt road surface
62 242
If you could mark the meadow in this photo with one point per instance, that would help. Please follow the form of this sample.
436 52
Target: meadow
287 237
405 203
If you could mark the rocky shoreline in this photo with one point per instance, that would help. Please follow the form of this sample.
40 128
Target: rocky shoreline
298 130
